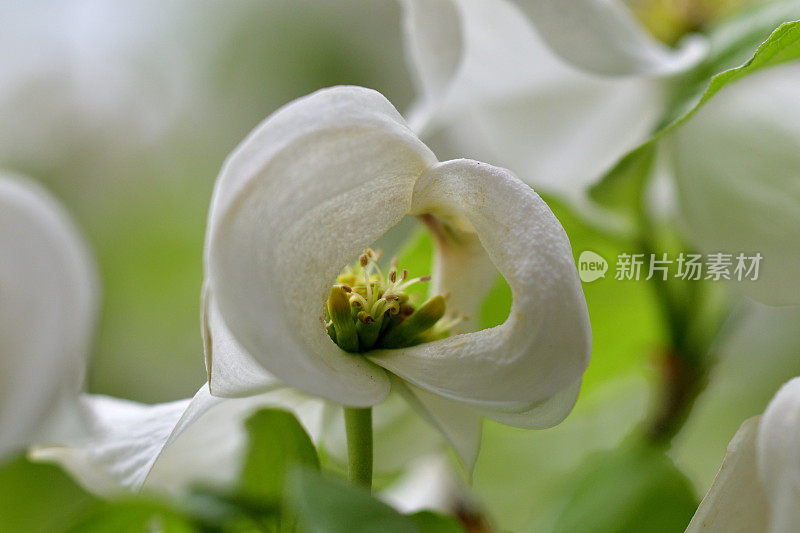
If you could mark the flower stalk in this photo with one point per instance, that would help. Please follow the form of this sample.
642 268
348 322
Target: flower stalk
358 427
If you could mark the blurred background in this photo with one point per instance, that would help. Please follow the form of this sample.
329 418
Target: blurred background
126 110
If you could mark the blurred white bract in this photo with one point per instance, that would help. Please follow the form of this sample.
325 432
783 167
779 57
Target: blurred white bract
758 485
555 91
48 300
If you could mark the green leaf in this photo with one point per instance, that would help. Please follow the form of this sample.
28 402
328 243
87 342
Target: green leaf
497 305
614 306
623 187
323 504
39 498
416 256
732 42
218 507
431 522
782 46
620 189
629 489
133 516
277 442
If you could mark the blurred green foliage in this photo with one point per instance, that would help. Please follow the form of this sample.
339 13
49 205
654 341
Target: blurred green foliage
632 488
331 505
276 443
39 498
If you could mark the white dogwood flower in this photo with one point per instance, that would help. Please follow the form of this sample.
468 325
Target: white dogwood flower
556 91
308 191
758 485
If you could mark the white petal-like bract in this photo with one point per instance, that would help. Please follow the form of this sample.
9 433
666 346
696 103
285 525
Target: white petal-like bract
737 169
603 36
778 457
735 502
757 487
48 299
492 87
317 182
543 346
168 447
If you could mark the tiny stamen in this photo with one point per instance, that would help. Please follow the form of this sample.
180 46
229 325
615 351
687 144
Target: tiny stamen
371 310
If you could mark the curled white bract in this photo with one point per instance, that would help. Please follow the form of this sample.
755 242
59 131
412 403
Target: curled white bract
318 182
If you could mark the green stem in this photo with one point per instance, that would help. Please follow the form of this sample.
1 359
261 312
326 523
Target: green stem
358 426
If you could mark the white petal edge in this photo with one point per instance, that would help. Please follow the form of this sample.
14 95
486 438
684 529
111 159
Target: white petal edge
602 36
232 372
313 185
168 447
125 440
735 503
458 423
48 304
778 457
544 345
210 449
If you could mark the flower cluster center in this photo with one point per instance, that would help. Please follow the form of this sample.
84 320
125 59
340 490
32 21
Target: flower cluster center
369 309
